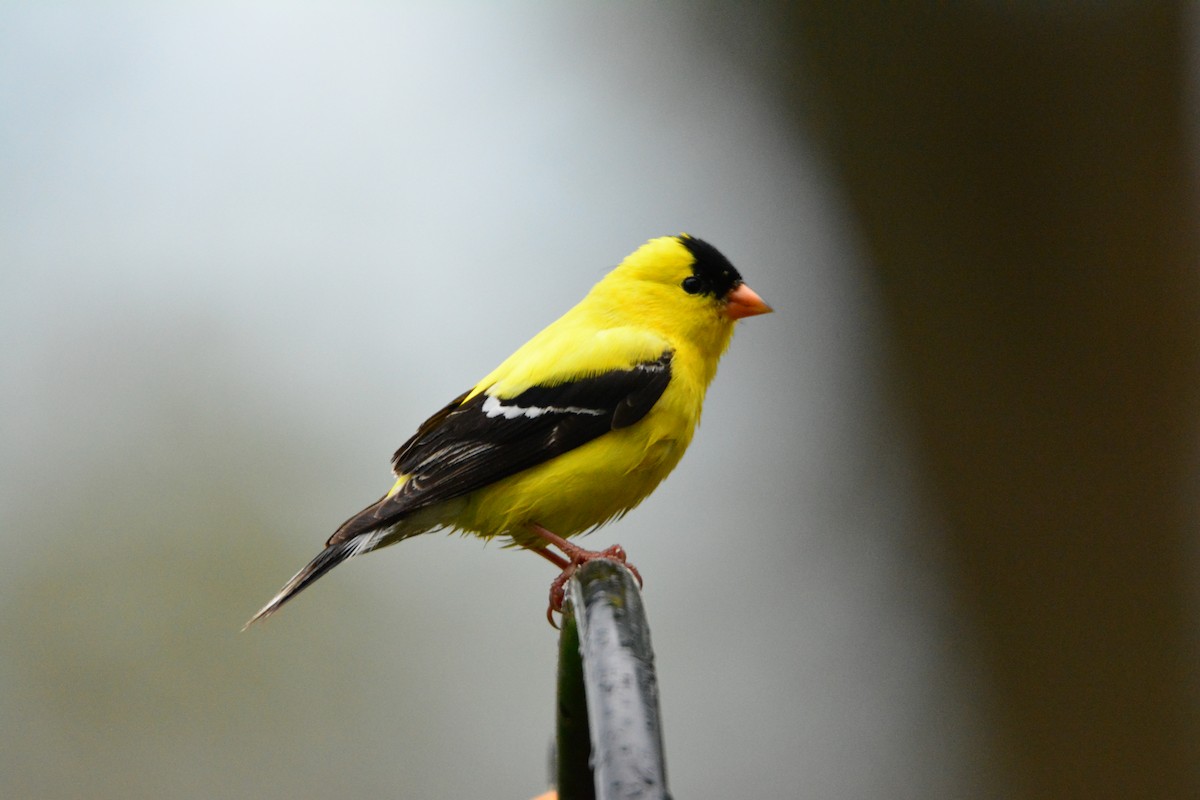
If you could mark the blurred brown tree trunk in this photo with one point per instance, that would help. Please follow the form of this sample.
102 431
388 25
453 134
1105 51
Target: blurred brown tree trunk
1021 173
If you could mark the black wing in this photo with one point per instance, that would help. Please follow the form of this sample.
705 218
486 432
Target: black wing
467 446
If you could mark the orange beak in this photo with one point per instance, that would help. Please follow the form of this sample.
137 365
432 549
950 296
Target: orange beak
745 302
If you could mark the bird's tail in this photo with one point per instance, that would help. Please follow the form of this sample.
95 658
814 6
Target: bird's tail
326 560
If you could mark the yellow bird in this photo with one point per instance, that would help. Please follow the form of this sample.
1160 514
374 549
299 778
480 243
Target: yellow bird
575 428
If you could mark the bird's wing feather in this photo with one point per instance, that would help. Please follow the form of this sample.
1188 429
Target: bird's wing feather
575 346
481 438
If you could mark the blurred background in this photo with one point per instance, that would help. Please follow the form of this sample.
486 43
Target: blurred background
245 251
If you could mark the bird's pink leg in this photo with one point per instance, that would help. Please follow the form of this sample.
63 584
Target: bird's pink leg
576 556
553 558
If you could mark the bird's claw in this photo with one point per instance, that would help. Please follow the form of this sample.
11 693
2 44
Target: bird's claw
558 593
617 553
579 557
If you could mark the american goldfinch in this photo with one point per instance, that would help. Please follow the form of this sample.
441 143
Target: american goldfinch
575 428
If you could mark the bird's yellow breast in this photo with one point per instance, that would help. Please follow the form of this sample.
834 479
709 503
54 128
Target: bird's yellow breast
596 482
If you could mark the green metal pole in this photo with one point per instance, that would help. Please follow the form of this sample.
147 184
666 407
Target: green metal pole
573 744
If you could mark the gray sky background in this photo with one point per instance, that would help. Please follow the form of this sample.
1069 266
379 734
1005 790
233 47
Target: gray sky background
245 252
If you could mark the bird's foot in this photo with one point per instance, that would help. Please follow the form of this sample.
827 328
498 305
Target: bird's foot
575 557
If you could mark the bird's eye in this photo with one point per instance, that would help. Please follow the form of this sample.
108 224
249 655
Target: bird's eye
692 284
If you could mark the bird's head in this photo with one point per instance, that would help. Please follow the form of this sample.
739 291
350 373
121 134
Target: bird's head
683 286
